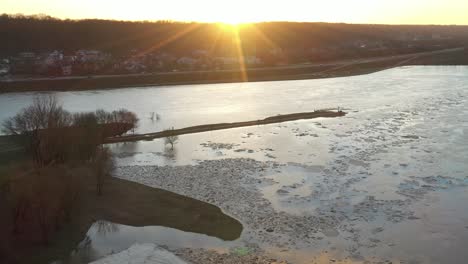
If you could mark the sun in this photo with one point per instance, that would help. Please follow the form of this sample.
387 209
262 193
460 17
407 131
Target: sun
233 27
229 26
232 21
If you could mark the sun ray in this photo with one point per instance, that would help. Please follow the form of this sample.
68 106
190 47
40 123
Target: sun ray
171 39
264 37
240 53
215 42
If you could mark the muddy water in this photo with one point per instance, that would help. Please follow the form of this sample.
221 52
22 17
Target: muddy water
388 181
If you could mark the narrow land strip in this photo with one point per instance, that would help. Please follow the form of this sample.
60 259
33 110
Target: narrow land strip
220 126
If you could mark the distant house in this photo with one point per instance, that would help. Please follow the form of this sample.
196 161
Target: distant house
4 67
276 51
227 60
53 58
165 57
66 70
25 63
252 60
200 53
248 60
135 67
91 56
27 55
187 63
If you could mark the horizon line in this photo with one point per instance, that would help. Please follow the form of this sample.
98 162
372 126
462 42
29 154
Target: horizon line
42 15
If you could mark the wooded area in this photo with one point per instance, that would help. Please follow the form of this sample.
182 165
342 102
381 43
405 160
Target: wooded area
34 33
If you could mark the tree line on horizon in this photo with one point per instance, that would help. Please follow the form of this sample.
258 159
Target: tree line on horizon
44 33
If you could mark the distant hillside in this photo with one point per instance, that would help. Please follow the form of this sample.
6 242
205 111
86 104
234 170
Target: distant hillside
42 33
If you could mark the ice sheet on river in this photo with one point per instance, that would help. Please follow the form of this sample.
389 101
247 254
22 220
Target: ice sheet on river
142 254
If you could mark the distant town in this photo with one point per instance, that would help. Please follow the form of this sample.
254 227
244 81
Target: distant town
300 44
91 62
95 62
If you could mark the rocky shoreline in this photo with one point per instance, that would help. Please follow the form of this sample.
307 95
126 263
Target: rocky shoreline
234 186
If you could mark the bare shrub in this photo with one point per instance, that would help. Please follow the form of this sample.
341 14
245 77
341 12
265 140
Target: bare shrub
85 119
41 199
5 224
125 116
171 139
121 116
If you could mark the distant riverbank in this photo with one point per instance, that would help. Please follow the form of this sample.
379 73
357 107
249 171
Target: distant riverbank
458 56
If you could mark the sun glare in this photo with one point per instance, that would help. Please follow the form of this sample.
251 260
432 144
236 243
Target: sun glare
230 26
232 22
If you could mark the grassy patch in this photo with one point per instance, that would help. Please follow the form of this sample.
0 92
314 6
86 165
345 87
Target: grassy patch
133 204
11 152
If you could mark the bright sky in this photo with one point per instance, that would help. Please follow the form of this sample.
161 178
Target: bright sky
238 11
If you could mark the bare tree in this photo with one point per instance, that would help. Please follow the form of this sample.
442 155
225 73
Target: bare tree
40 199
103 165
54 135
44 113
171 139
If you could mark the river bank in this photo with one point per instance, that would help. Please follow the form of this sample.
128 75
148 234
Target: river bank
138 205
122 202
457 56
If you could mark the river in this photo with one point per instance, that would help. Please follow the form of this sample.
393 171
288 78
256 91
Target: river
389 180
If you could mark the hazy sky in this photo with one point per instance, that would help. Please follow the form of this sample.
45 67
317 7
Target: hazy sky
350 11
